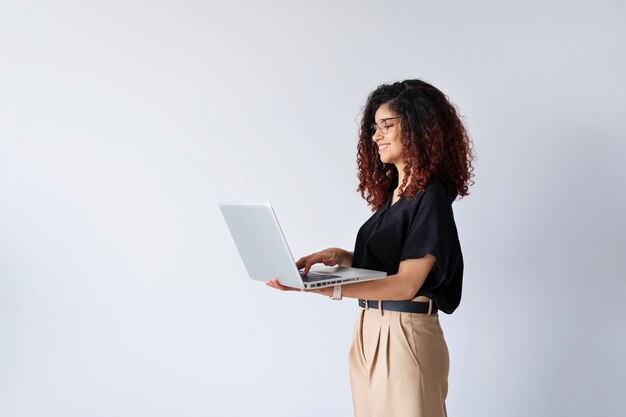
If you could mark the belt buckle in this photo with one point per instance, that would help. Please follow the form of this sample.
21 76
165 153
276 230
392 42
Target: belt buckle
367 306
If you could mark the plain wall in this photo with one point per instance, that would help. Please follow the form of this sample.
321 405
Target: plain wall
123 123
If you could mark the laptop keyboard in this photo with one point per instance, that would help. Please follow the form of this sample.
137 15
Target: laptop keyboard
317 276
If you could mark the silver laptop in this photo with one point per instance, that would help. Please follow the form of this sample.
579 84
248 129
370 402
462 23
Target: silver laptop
266 255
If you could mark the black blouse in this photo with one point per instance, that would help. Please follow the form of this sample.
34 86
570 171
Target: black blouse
411 229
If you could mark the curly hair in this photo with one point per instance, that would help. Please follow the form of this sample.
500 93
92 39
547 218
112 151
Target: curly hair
434 143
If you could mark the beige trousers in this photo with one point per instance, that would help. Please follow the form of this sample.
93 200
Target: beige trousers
398 365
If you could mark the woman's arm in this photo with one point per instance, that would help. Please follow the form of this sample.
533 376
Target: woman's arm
402 286
399 287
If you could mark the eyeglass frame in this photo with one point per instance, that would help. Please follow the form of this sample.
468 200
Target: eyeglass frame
384 126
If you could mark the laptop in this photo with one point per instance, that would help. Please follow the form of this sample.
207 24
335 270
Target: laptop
266 255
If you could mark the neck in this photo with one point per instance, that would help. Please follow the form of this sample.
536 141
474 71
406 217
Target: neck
400 169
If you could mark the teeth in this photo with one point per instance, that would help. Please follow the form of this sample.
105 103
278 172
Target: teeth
383 146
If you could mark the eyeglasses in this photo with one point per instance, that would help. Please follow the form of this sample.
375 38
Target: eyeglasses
382 125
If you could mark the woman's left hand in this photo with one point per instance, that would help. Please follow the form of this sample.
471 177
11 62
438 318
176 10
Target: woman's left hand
275 284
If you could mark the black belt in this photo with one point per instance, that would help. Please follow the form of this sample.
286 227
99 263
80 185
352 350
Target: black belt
420 307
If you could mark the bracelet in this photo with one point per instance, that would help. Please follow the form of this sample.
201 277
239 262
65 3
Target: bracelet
336 293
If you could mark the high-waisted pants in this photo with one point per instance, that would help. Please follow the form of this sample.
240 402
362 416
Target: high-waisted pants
398 365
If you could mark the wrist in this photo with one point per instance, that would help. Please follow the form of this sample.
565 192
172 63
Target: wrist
327 291
344 258
335 292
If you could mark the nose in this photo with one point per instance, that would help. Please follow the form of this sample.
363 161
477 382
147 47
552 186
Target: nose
378 135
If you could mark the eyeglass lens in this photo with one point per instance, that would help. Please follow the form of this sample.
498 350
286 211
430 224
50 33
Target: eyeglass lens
382 125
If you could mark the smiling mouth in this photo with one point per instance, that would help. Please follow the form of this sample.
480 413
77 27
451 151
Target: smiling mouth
383 147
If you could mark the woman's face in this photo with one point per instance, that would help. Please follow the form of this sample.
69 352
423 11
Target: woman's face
389 143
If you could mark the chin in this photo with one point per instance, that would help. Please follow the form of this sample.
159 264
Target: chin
386 160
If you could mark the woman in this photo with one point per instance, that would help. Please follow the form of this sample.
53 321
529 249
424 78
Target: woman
414 158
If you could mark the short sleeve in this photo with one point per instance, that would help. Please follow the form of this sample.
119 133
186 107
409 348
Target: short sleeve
430 232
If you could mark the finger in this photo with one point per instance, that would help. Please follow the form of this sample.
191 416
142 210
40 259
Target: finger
308 266
306 257
271 283
300 262
315 259
277 285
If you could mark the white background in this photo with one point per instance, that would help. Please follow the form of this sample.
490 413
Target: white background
123 123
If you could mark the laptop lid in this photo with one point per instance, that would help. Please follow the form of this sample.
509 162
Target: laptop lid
261 243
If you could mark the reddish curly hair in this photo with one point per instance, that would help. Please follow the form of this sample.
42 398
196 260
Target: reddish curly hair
434 143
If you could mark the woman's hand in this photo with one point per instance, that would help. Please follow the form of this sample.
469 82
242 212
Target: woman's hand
329 257
275 284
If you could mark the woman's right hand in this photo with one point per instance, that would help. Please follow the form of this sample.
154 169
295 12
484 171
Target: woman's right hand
329 257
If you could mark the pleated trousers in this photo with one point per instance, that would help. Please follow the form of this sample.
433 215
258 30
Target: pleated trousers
399 365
